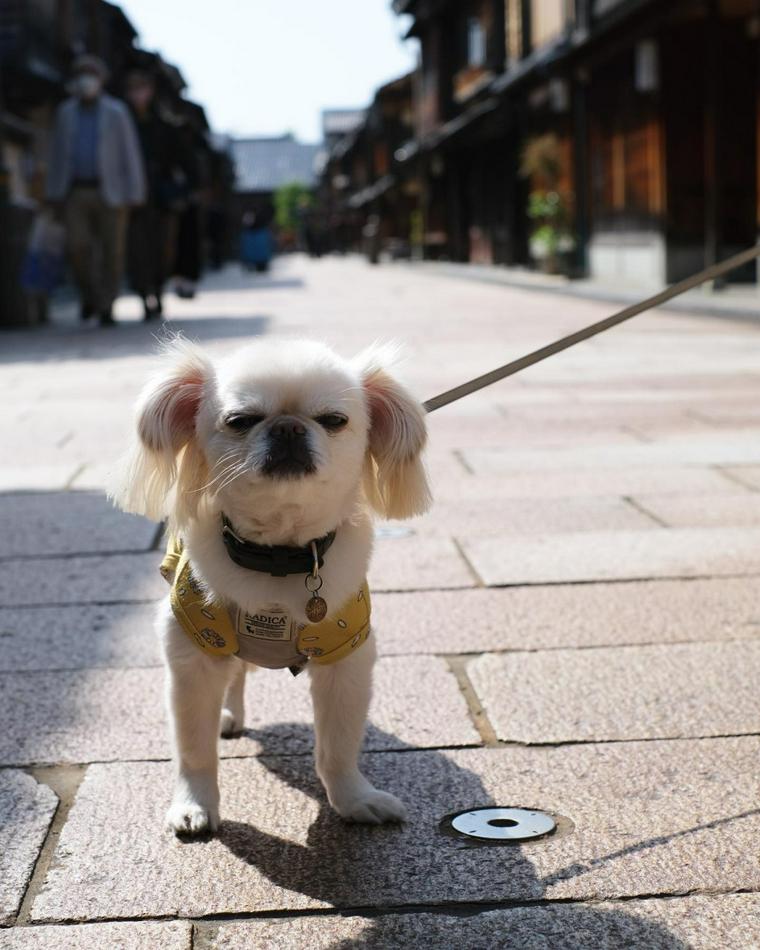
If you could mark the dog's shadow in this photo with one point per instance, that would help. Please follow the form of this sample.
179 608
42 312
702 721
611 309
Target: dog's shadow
346 866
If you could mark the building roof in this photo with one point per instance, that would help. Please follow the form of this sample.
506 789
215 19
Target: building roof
340 121
264 164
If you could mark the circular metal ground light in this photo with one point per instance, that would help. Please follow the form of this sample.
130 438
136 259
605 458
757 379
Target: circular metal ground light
503 824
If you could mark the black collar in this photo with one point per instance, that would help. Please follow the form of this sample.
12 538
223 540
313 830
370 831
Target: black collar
279 560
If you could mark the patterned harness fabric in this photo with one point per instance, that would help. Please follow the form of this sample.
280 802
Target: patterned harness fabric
269 637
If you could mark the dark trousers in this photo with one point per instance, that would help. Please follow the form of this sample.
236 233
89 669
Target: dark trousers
95 235
148 250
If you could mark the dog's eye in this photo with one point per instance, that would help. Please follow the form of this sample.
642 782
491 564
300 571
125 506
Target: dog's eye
332 421
243 423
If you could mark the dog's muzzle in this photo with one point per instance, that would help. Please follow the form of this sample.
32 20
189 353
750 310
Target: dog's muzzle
288 452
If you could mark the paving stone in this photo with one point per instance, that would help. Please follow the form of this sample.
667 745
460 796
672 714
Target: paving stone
81 580
26 810
78 637
748 475
618 555
105 715
92 476
511 427
68 523
50 476
573 615
650 818
741 508
742 414
483 516
724 448
674 691
687 923
638 480
417 564
168 935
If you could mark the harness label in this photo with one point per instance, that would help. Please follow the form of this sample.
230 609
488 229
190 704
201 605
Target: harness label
271 622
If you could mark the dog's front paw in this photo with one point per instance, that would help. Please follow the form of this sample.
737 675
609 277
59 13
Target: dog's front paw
190 818
372 807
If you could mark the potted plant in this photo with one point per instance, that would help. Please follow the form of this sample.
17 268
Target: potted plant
551 238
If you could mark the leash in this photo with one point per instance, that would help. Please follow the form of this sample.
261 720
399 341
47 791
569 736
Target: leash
544 352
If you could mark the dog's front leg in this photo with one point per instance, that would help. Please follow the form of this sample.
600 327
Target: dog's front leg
341 694
194 690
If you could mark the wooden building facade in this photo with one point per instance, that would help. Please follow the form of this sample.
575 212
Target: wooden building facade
610 138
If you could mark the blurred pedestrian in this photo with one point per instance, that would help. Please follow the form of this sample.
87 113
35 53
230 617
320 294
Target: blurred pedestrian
95 175
152 226
188 257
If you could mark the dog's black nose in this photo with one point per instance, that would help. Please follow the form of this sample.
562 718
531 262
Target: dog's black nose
287 427
288 452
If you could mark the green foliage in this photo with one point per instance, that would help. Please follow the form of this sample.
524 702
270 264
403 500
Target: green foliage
545 206
289 202
552 236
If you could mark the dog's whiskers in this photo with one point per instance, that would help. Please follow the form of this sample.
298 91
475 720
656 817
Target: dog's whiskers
228 469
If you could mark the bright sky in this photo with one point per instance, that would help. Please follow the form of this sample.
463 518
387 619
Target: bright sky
263 67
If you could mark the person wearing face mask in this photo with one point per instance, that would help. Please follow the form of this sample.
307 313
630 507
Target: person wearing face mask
153 227
95 175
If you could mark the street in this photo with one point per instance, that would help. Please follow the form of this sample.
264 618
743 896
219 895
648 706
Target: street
572 628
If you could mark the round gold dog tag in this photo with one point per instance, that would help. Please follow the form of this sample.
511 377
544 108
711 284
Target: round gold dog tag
316 608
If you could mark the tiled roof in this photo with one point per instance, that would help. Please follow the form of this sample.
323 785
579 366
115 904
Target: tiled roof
341 121
264 164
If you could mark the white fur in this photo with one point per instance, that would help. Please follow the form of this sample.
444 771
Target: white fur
187 466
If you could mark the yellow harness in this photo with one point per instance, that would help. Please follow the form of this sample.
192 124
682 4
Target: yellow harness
269 637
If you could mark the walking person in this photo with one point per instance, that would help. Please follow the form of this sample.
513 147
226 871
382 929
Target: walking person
95 175
152 227
188 256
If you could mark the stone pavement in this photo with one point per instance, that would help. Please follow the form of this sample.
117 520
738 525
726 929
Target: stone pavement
574 627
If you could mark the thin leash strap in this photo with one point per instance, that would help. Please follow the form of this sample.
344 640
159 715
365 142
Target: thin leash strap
516 366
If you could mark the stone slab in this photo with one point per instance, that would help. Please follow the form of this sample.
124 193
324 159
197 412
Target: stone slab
726 447
748 475
673 691
686 923
78 637
607 482
167 935
82 580
652 818
26 810
411 563
572 615
618 555
51 476
68 523
484 516
104 715
740 509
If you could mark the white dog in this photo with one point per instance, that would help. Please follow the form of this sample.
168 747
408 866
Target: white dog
266 466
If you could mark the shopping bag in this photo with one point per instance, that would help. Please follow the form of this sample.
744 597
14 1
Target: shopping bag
42 269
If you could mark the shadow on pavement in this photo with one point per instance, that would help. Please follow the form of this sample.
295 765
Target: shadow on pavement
329 873
66 341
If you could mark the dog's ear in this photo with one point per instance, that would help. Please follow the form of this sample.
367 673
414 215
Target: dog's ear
165 455
394 477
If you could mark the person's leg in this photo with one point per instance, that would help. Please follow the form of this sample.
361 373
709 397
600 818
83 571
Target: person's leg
144 257
79 244
112 236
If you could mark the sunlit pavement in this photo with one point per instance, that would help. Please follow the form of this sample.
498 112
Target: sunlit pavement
573 628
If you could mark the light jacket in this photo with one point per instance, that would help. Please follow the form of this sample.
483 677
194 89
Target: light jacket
120 162
268 637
